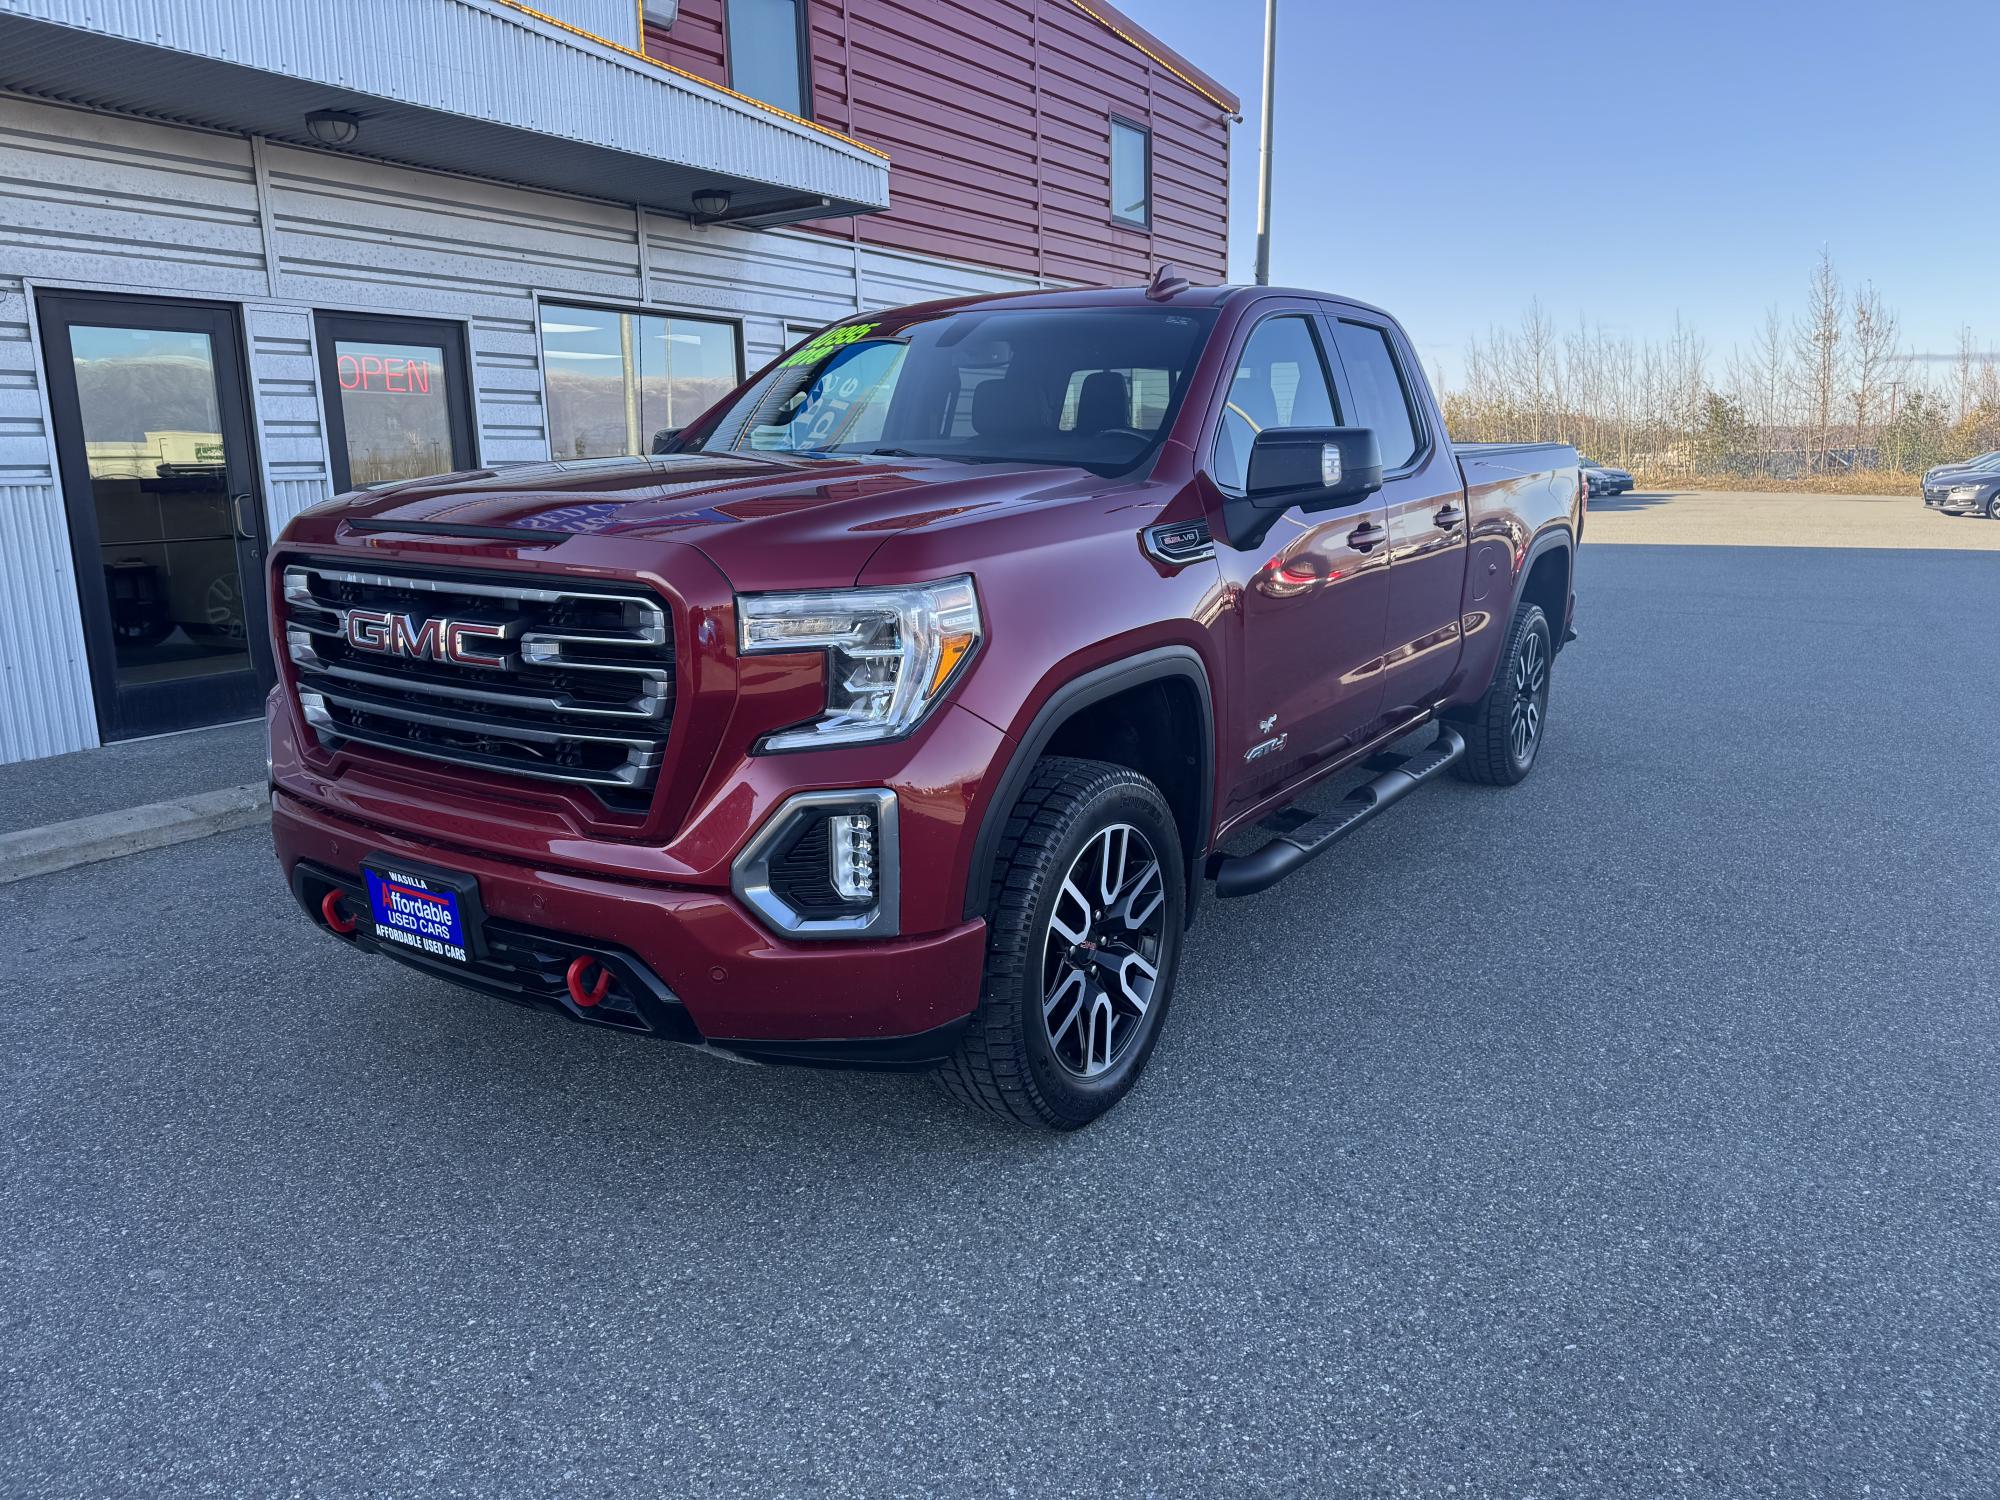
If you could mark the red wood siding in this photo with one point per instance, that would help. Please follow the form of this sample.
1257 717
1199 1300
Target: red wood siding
996 115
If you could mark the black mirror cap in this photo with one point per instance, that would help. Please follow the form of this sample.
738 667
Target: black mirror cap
663 440
1313 466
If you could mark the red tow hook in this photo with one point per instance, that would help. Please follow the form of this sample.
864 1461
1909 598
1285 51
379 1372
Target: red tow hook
339 921
579 974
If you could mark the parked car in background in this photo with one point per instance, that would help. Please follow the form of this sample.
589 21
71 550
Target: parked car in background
896 716
1603 479
1981 461
1973 490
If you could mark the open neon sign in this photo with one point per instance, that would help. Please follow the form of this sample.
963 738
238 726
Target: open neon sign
390 374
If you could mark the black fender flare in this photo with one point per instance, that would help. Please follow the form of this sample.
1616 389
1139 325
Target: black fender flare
1159 664
1554 537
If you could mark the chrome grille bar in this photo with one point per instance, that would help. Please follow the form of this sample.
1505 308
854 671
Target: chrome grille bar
530 677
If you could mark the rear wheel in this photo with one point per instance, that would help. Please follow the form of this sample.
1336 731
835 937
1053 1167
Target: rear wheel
1083 938
1505 734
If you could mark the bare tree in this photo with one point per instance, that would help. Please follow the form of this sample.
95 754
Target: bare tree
1834 376
1774 376
1874 341
1963 373
1534 363
1819 358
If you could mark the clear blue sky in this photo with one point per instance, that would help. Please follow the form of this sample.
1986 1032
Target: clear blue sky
1624 159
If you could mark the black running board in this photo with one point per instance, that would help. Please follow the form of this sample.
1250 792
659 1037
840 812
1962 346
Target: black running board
1247 874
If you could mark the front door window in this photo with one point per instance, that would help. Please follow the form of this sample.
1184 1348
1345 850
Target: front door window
153 445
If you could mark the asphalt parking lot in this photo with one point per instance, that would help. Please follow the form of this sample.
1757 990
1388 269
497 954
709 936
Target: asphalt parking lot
1754 518
1629 1133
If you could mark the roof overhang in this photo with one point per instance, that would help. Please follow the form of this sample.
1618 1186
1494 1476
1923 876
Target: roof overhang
483 87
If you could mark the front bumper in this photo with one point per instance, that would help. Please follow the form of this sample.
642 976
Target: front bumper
1941 500
690 964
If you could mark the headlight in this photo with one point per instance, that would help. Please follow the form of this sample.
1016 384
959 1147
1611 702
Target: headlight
1964 492
890 653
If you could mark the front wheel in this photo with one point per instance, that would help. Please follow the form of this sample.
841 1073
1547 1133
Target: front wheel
1993 509
1083 938
1505 733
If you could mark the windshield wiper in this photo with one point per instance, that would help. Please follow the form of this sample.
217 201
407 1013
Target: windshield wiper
893 453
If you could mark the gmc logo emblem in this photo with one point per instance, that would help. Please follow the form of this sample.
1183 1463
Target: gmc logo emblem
433 639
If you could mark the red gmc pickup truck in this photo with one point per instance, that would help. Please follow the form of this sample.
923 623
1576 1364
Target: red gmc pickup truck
896 713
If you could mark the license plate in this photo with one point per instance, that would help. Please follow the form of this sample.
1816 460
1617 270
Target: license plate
423 911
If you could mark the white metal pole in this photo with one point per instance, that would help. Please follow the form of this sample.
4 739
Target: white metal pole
1264 147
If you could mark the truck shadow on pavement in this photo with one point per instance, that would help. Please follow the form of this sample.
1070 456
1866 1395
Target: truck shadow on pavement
1630 500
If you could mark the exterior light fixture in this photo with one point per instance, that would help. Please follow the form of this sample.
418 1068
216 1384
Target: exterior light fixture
661 13
711 203
334 127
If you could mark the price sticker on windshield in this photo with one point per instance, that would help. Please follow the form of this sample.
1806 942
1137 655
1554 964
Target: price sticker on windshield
820 345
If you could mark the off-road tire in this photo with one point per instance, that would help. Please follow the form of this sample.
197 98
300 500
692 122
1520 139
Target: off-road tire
1490 757
1006 1062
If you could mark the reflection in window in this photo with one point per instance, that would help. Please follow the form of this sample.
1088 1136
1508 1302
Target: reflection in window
152 439
615 379
395 410
1381 400
764 59
1131 173
845 403
1280 382
1085 386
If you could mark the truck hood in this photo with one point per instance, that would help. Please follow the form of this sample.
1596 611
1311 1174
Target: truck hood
767 520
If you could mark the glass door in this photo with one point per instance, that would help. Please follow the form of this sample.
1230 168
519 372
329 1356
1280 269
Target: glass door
396 398
165 518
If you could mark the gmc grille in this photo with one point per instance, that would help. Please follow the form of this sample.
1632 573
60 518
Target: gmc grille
545 680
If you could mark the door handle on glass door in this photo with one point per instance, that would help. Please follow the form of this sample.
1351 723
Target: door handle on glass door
244 527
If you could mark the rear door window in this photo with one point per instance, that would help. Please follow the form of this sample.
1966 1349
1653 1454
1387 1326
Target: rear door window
1381 394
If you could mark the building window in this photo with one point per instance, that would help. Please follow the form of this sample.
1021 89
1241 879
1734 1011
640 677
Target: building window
1131 173
398 401
615 379
767 53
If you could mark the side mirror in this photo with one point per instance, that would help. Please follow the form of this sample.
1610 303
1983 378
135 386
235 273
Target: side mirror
1313 468
663 440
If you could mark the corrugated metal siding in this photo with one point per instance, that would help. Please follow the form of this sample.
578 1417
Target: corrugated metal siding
45 704
996 117
25 455
616 19
117 199
291 423
88 200
487 62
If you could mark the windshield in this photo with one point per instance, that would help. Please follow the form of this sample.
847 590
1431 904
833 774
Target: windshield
1093 387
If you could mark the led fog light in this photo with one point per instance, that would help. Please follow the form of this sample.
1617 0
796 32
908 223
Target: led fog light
824 865
851 849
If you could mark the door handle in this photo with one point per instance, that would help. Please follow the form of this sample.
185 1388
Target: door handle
1366 535
244 528
1449 517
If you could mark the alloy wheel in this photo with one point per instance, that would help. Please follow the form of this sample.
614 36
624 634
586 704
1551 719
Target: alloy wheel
1531 697
1102 952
